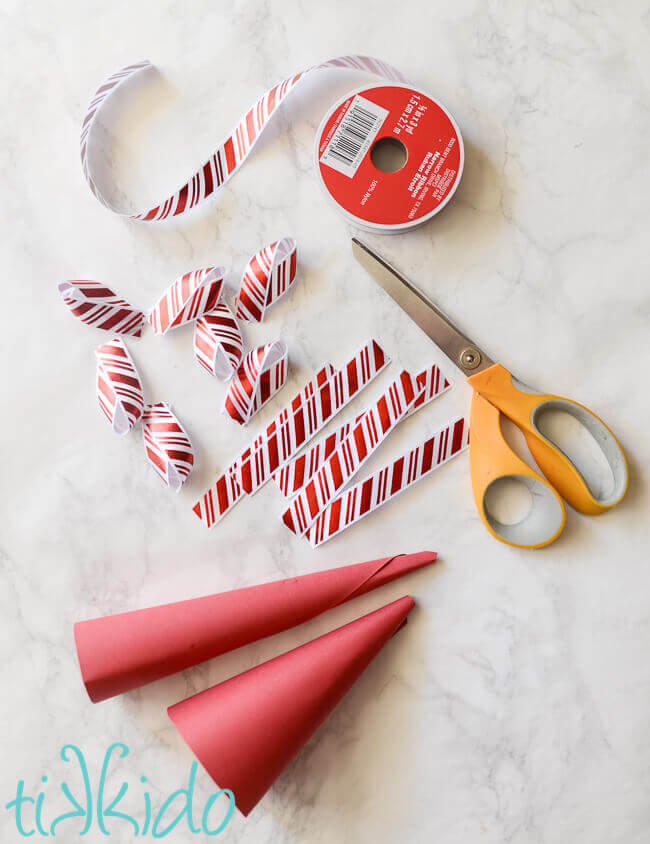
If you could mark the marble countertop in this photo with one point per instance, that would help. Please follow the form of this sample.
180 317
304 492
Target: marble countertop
515 706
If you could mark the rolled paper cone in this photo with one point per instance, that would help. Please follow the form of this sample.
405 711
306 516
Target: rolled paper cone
121 652
246 730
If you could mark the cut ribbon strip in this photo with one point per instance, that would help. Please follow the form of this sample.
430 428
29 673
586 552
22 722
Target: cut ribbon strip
96 304
295 474
232 151
308 412
226 490
187 298
267 277
294 427
346 460
167 445
367 496
119 391
258 378
218 344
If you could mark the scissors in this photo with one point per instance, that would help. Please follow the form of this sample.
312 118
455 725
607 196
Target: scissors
497 392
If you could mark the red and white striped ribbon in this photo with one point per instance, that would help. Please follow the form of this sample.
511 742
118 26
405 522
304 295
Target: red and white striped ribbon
267 277
218 344
167 445
119 391
187 298
298 423
226 491
367 496
346 460
295 474
232 151
96 304
258 378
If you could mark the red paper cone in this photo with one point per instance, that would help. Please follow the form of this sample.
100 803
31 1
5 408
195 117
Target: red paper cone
118 653
246 730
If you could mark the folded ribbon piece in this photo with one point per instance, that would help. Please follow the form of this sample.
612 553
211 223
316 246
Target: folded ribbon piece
167 446
258 378
218 344
96 304
119 391
268 276
188 298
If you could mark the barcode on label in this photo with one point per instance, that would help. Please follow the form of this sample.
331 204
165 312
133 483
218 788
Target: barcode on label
354 134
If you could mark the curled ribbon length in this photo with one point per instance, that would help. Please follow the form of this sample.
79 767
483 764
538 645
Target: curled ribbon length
119 390
218 344
259 377
187 298
96 304
232 151
267 277
167 445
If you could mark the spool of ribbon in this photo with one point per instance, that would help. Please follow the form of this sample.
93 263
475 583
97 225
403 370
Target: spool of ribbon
267 277
231 153
258 378
119 391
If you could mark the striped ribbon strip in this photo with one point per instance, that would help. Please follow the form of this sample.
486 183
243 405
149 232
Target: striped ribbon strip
296 425
367 496
167 445
218 344
232 151
267 277
258 378
119 390
187 298
346 460
96 304
226 491
295 474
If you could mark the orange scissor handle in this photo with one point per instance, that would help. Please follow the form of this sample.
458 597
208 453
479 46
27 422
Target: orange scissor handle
524 407
492 461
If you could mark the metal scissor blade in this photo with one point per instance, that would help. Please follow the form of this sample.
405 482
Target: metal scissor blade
460 349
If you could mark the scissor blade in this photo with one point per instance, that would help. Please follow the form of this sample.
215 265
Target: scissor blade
460 349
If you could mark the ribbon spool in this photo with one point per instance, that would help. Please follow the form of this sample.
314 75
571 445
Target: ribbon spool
389 157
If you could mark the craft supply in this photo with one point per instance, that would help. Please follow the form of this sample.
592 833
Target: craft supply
187 298
119 391
295 474
246 730
381 487
497 393
346 460
118 653
97 305
415 130
292 429
231 152
262 373
167 445
218 344
226 491
267 277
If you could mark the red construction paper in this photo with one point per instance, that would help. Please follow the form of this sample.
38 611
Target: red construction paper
118 653
246 730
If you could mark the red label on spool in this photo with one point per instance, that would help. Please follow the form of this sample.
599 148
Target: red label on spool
434 161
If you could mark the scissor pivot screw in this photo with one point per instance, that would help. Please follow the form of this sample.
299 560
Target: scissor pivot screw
470 358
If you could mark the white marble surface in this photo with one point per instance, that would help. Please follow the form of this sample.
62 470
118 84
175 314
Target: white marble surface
515 706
